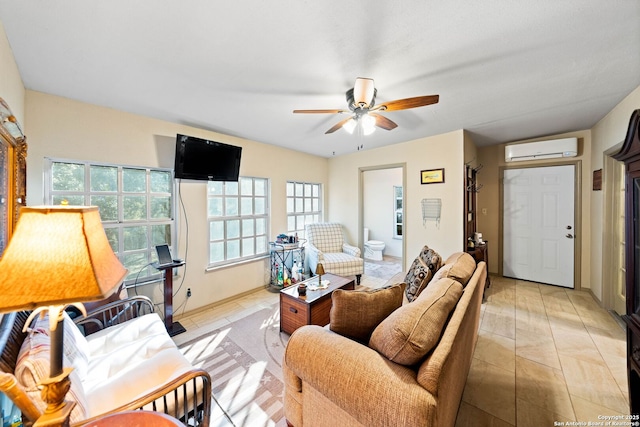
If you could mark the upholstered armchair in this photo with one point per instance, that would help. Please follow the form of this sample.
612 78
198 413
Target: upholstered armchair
326 246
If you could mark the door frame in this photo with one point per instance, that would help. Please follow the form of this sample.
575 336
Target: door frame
577 195
361 171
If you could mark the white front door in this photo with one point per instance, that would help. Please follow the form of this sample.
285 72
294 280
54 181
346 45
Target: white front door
538 218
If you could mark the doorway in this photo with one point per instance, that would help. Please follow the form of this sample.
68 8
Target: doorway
382 194
539 224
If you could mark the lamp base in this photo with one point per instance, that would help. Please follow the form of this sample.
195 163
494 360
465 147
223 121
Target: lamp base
58 411
175 329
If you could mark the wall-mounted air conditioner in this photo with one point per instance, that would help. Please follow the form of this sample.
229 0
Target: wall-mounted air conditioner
565 147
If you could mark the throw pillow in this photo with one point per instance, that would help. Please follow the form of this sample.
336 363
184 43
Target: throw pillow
355 314
459 266
421 272
413 330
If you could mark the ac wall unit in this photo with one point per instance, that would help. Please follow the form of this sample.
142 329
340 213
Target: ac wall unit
565 147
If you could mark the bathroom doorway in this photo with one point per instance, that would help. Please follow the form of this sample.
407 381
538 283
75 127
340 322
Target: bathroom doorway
382 228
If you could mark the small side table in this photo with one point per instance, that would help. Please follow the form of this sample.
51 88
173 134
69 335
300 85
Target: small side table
173 328
312 309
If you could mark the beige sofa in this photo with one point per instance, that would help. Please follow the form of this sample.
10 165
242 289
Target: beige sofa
333 380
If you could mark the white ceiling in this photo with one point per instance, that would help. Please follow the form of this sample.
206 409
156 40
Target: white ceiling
505 70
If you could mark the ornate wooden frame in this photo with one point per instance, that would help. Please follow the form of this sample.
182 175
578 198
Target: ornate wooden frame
14 161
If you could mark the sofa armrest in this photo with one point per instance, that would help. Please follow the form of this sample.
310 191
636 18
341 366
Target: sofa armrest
351 250
189 393
356 378
115 312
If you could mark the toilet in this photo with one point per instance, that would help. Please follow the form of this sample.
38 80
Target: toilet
372 248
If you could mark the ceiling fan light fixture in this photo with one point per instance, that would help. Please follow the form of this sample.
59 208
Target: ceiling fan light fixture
363 91
368 124
350 125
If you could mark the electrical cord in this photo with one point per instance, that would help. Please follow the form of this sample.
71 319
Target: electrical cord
135 282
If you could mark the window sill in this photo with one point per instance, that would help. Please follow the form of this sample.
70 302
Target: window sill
235 264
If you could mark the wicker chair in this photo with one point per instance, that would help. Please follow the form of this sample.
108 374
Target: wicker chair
326 246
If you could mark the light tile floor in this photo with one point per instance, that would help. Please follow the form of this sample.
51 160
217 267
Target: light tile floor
544 354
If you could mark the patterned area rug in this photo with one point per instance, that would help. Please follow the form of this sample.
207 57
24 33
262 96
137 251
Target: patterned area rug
244 360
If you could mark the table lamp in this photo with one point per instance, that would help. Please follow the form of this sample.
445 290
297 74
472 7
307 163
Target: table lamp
58 255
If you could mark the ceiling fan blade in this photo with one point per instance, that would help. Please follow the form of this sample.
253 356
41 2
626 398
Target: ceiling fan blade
405 104
320 111
338 125
383 122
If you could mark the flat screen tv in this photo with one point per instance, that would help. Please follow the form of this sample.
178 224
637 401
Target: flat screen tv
205 160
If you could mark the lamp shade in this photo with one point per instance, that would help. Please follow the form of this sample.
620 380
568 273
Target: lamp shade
57 255
320 269
363 91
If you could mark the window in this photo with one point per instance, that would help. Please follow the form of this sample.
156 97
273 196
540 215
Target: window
397 212
136 206
303 205
238 214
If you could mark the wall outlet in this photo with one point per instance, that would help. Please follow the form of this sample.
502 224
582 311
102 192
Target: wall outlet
188 292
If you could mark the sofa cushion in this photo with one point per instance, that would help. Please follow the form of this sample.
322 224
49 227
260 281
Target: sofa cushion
421 272
33 365
411 331
355 314
459 266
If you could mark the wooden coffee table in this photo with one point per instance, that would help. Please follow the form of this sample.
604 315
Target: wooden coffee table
312 309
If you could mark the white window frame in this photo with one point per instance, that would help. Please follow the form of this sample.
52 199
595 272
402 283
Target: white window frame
220 223
146 255
304 205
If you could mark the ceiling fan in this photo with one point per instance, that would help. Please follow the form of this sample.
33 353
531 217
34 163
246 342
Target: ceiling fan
361 102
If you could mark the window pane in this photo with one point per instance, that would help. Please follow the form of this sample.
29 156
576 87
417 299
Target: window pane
316 205
233 229
134 263
72 200
215 206
261 207
246 186
316 190
231 188
307 190
247 227
247 247
300 222
113 238
261 226
233 249
160 181
216 230
231 207
161 234
290 202
134 180
134 207
67 176
216 252
161 207
261 244
104 178
247 206
291 223
215 187
135 238
108 206
307 205
290 192
260 187
299 189
299 205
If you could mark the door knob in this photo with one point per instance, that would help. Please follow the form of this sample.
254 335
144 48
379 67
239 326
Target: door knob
568 227
569 236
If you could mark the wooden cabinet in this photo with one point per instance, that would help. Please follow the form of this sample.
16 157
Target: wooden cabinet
471 188
630 155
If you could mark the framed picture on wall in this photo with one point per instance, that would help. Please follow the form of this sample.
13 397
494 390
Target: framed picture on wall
432 176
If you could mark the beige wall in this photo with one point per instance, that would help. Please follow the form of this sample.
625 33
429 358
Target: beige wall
609 131
11 86
66 129
441 151
489 197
